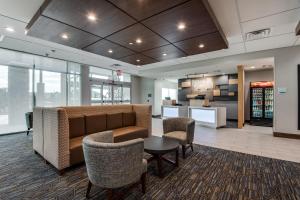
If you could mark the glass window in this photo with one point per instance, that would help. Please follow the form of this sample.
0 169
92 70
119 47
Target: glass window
123 77
15 98
99 73
74 84
169 93
50 88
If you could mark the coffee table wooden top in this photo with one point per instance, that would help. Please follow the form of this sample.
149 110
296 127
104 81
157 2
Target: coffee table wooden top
159 145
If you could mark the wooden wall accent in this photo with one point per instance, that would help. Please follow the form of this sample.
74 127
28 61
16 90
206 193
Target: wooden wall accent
286 135
120 23
241 96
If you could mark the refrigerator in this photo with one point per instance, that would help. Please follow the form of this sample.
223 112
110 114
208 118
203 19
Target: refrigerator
261 103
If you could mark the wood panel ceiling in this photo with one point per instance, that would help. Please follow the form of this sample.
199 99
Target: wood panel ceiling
139 32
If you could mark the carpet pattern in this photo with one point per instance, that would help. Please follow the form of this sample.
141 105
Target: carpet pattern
207 173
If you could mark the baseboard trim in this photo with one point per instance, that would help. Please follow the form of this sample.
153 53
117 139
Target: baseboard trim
286 135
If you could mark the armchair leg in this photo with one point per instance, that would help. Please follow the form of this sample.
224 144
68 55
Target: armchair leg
143 180
192 147
88 190
183 151
28 131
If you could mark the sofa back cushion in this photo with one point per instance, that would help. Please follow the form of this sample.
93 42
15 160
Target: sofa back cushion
95 123
114 121
76 126
128 119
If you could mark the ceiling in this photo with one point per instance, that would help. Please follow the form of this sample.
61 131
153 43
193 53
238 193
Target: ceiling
133 31
236 17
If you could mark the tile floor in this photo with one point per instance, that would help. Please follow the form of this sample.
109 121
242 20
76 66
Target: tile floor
251 139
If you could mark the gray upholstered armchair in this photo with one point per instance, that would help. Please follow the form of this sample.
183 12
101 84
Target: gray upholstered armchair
180 129
113 165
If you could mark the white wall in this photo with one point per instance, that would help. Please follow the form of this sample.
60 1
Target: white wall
141 88
286 105
252 76
158 85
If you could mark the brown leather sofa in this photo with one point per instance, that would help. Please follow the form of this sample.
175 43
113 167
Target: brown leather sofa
61 130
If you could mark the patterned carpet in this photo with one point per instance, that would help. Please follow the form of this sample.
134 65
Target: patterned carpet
208 173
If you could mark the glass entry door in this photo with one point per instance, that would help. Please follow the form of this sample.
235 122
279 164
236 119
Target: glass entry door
117 91
105 93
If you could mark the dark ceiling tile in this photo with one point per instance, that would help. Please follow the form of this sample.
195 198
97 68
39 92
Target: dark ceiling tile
193 14
164 53
149 39
133 59
74 12
103 46
52 30
212 42
141 9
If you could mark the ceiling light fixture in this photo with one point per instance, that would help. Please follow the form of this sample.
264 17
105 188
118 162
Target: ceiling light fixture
138 60
110 51
92 17
10 29
65 36
26 31
252 67
164 54
130 43
139 41
138 65
201 46
181 26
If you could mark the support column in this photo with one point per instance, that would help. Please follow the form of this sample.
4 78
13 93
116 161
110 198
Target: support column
85 85
241 96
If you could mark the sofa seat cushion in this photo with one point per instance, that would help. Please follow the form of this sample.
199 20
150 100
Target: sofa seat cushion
180 136
76 152
129 133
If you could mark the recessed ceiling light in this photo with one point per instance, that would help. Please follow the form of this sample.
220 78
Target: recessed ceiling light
110 51
181 26
26 31
65 36
139 41
164 54
9 29
252 67
138 65
201 46
92 17
138 60
130 43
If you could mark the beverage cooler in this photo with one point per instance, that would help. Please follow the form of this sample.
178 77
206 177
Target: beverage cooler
261 103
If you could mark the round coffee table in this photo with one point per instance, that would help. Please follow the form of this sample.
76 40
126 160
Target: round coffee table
157 147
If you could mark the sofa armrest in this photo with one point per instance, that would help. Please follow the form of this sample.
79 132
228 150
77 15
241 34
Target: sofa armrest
38 132
143 116
56 137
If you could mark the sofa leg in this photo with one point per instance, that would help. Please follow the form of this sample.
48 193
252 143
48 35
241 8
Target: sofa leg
109 194
183 151
61 172
144 180
88 189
